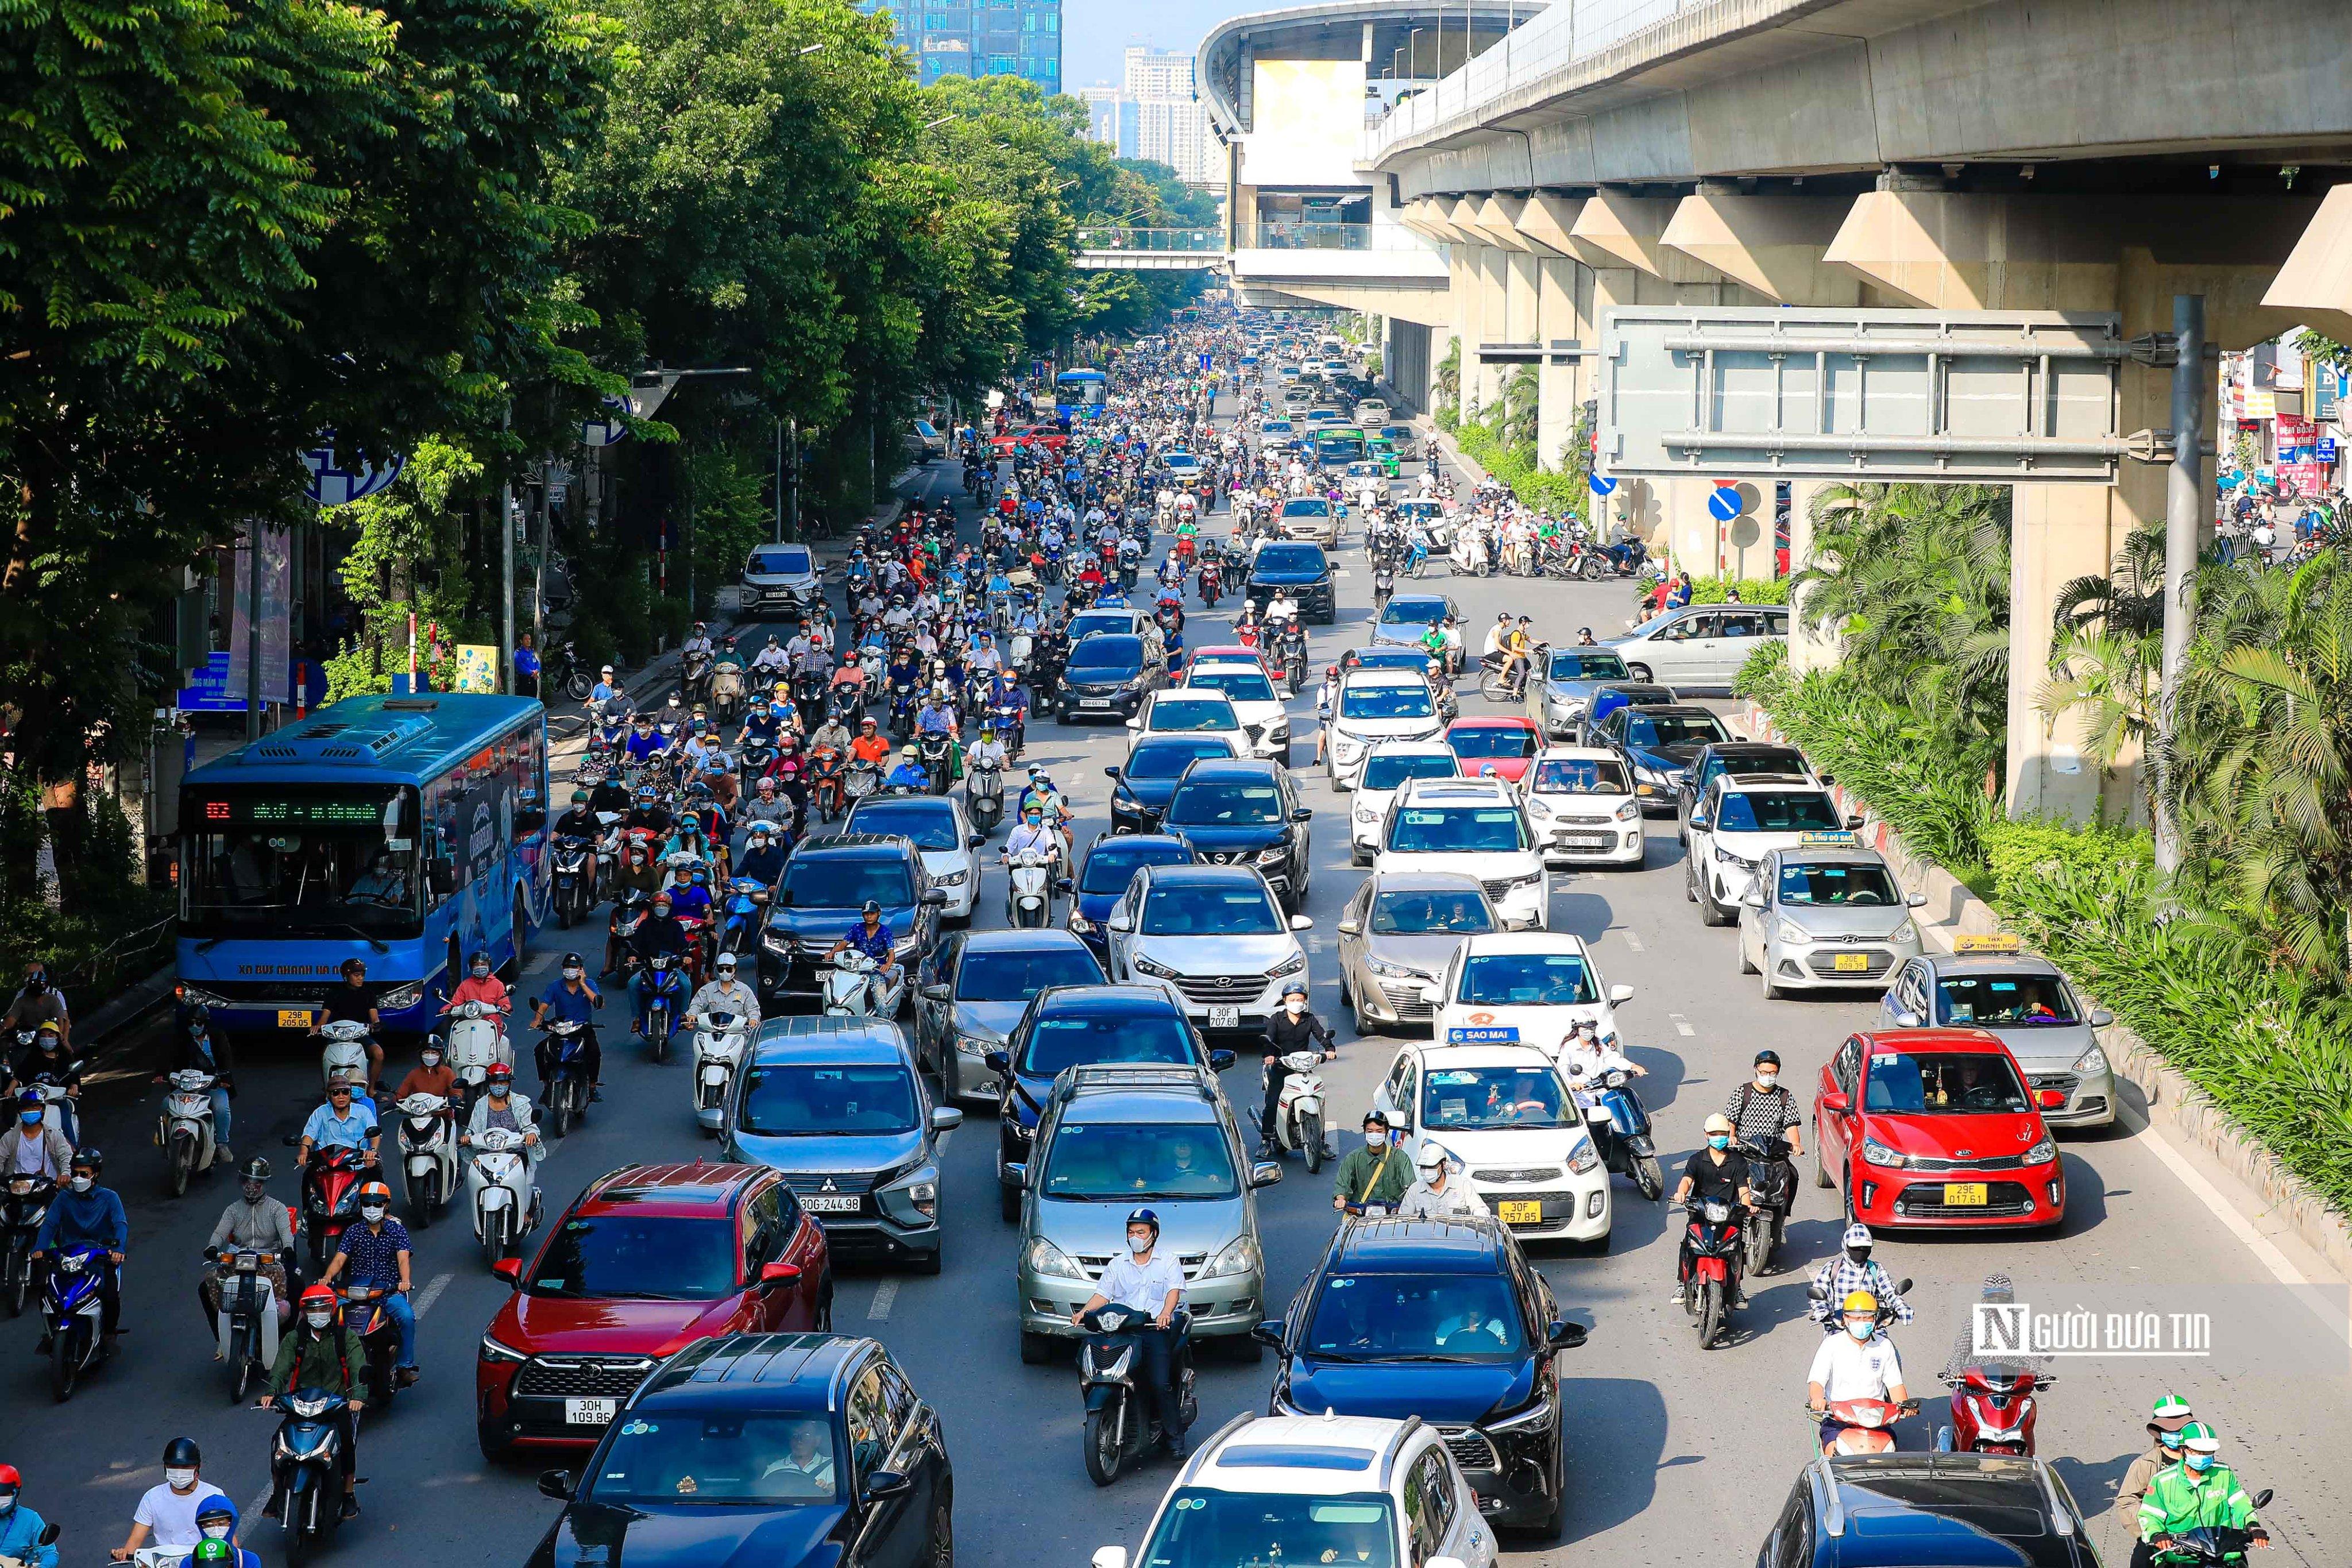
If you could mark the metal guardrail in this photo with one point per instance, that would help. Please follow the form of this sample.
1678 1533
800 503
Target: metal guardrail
1309 236
1158 239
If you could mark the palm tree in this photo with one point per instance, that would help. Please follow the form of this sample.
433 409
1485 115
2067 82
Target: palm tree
2105 665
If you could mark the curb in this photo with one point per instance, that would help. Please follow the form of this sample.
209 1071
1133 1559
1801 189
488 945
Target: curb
1953 910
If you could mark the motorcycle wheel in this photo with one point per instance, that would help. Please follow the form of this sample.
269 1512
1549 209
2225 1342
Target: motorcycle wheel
1647 1178
658 1027
1103 1456
1710 1314
64 1370
175 1176
559 1113
1758 1243
1310 1127
494 1238
576 687
299 1541
18 1291
243 1384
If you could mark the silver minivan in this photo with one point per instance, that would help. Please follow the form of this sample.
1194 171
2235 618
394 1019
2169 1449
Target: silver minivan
1699 645
1114 1139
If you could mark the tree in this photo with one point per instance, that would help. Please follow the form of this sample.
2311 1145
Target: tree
2106 662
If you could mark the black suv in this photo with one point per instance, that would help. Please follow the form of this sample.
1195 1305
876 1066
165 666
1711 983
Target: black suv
1246 810
1300 567
790 1448
826 883
1741 759
1878 1510
1106 676
1445 1320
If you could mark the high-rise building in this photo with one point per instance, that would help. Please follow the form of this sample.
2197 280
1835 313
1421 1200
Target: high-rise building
980 37
1170 127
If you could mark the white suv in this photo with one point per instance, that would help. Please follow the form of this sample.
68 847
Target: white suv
1386 769
1376 705
1740 820
1475 826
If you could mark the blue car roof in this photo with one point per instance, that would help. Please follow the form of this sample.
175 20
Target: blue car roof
1421 1246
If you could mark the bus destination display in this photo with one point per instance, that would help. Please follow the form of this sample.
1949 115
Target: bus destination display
295 811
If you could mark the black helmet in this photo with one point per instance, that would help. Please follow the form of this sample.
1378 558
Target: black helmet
182 1452
90 1155
572 958
256 1169
199 1014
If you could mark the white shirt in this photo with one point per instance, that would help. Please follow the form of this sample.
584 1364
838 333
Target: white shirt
1848 1369
169 1518
1143 1286
1423 1202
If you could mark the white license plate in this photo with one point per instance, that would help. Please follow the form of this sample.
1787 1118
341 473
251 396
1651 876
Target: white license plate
830 1203
588 1412
1093 701
1224 1017
1588 841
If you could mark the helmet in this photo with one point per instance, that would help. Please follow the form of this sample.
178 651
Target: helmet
2171 1414
183 1453
579 797
2199 1438
498 1072
870 907
571 960
376 1190
1718 1122
1330 671
318 1295
209 1550
1856 1235
1144 1216
256 1169
216 1506
1432 1154
199 1014
1296 988
90 1156
1860 1301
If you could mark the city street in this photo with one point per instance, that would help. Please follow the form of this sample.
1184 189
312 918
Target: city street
1678 1455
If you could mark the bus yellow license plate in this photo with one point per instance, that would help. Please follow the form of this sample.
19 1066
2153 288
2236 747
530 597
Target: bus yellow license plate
293 1017
1851 962
1521 1211
1965 1195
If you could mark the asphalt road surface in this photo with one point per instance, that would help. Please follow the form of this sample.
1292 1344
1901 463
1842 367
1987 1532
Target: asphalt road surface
1677 1455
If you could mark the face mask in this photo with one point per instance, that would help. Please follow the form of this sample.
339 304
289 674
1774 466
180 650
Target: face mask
83 1183
1718 1142
1766 1080
372 1213
483 973
216 1531
430 1058
1857 1256
2200 1462
8 1501
573 972
29 1118
1295 1006
1138 1245
180 1480
1375 1139
319 1320
1859 1331
1430 1175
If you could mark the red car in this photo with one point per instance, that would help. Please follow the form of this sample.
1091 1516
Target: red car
1050 437
1230 653
1501 746
647 1260
1934 1128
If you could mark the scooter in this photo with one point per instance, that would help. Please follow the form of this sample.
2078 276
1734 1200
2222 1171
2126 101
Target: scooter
500 1192
1863 1425
747 903
2208 1543
70 1311
22 1210
1993 1412
429 1155
983 795
1120 1425
851 987
575 877
330 1185
1029 891
566 1089
717 1053
1620 1125
475 1041
365 1315
662 1000
248 1317
1710 1242
1298 1112
1383 586
935 749
1773 1179
345 1054
185 1129
862 779
305 1468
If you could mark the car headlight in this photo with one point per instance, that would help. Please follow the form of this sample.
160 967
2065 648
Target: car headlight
1045 1258
1906 931
2093 1060
905 946
1273 857
1727 858
1154 967
2042 1153
1628 812
1535 1417
1584 1157
1240 1256
1382 966
1291 965
1080 924
1794 934
1536 808
399 1000
781 945
973 1043
952 879
1365 814
497 1351
1278 731
1532 880
1874 1152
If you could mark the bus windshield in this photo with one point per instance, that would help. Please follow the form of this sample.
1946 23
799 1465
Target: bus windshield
299 859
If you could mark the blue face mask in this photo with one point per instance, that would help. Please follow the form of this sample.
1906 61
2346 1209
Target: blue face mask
2200 1462
1718 1142
28 1118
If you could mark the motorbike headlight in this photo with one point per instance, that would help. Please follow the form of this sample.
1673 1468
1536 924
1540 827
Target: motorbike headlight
1874 1152
1296 963
1046 1259
406 996
1239 1255
496 1350
1794 934
2093 1060
2043 1152
1628 812
1155 968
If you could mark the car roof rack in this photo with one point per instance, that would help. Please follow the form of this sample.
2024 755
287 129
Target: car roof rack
1395 1443
1110 1076
1201 1452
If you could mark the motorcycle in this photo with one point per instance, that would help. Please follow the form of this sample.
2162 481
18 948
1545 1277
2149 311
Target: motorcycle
183 1130
1383 586
663 999
902 711
935 749
365 1315
1773 1179
575 878
500 1192
825 784
851 987
305 1468
429 1155
1620 1125
330 1184
1863 1425
1211 583
695 675
475 1041
1298 1112
726 692
1028 890
1120 1426
983 795
566 1089
2214 1544
1993 1412
22 1210
1290 645
717 1052
747 901
1710 1242
862 779
248 1317
71 1309
345 1054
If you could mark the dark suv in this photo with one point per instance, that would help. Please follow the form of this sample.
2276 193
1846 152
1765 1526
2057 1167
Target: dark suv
1741 759
1106 676
1246 810
1881 1511
1444 1319
1300 567
826 883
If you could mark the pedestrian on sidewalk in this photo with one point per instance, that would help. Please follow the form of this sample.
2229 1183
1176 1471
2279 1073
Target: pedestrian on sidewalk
526 666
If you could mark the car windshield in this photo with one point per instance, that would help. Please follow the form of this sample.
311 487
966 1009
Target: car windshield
1458 830
1167 758
842 883
1582 776
814 1100
1412 612
1386 702
1492 741
1103 1161
780 562
1310 506
1974 1083
1238 682
1389 772
1423 911
1289 557
1082 1038
1440 1317
1222 910
1673 729
1779 811
1110 871
1527 980
295 858
1001 976
1201 1528
1836 885
1473 1098
1180 717
667 1458
1222 804
929 822
639 1257
1099 622
1102 658
1584 664
2024 1000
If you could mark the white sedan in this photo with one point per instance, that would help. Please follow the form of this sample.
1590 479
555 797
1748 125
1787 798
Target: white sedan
943 835
1513 988
1513 1129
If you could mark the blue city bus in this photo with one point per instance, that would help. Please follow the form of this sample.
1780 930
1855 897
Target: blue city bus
1080 393
409 832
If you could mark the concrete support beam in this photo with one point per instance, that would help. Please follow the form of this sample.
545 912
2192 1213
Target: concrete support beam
1514 211
1549 222
2315 282
1773 245
1615 229
2058 532
1495 223
1461 213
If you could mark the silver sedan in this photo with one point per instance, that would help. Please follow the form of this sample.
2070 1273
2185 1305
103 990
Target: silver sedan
1397 934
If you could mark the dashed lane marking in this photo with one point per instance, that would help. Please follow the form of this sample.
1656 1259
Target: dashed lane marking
886 1293
432 1292
1682 1026
1633 941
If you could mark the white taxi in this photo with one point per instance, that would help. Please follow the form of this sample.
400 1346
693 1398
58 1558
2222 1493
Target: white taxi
1521 988
1741 819
1510 1124
1580 801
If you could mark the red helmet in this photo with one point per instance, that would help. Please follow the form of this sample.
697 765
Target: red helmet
320 1295
9 1477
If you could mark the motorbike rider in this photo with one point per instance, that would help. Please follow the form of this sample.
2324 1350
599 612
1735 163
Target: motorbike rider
724 994
32 1148
37 1001
580 822
342 1123
1436 1195
431 1075
768 808
84 1213
374 1255
166 1514
763 859
1585 1059
691 900
1031 833
1762 1111
1009 699
1146 1279
697 645
196 1048
573 999
1718 1173
770 661
2165 1421
482 984
354 1000
909 774
1853 1270
48 1064
253 1222
989 751
1294 1028
871 746
2195 1493
322 1353
1859 1364
871 936
1374 1174
500 1106
20 1528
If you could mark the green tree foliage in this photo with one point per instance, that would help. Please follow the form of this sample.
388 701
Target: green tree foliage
405 557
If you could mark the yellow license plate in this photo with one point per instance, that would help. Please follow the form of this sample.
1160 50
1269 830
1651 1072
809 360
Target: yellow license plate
293 1017
1851 962
1521 1211
1965 1195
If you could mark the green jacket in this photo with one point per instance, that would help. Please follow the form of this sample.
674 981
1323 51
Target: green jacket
1364 1179
308 1360
2179 1499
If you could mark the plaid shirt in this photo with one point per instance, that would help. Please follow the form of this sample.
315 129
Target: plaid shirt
1840 1277
1761 1114
371 1256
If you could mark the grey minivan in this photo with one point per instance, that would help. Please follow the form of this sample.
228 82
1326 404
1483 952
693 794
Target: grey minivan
1114 1139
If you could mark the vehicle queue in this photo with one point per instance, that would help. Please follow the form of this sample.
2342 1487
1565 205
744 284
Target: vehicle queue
790 845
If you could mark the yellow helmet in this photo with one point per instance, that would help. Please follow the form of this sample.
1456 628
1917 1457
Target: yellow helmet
1862 1301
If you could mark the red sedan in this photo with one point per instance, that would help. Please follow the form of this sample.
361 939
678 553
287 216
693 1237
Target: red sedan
1501 746
1053 438
647 1260
1934 1128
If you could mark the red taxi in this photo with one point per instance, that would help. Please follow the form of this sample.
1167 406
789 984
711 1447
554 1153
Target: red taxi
1934 1128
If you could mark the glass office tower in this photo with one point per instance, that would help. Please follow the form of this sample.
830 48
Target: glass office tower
990 38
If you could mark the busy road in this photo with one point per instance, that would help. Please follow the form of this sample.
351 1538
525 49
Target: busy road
1677 1453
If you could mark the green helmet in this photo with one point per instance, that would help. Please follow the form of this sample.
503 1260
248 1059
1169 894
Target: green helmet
2171 1414
209 1550
579 797
2199 1438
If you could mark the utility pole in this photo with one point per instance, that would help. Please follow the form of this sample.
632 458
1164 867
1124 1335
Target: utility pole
2184 517
794 473
252 630
780 481
506 568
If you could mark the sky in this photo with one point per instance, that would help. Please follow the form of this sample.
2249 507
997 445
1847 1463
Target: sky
1097 34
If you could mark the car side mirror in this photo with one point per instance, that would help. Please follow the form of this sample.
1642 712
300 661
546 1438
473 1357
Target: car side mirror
1445 1562
946 1118
2101 1017
774 1274
1264 1174
1351 927
1220 1060
997 1061
1064 885
935 994
1268 1333
1121 924
1110 1557
1114 772
1136 723
1837 1104
888 1484
1302 922
1853 820
1434 993
556 1484
1910 1020
1303 814
1017 1172
1914 900
1569 1336
1753 898
1698 822
508 1269
936 898
1619 994
974 840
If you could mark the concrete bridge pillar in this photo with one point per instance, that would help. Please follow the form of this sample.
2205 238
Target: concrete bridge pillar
1808 650
1494 298
1563 314
1771 246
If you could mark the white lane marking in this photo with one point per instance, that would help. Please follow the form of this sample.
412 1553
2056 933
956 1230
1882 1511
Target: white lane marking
1313 945
1633 940
883 1296
1682 1026
432 1292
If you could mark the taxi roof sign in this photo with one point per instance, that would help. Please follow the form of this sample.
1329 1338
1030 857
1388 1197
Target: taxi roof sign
2003 943
1842 840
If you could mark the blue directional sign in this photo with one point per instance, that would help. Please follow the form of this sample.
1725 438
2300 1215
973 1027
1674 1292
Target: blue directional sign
1603 484
333 484
1207 361
1724 504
